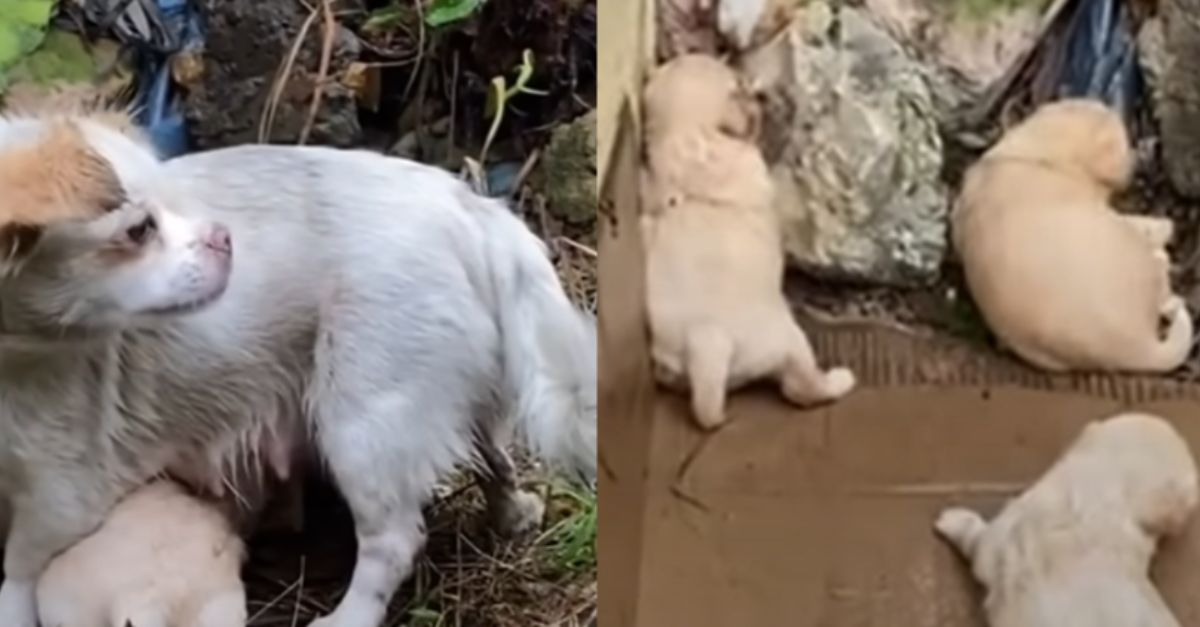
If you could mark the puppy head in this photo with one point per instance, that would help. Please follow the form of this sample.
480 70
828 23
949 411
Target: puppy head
92 237
1150 464
1076 134
700 92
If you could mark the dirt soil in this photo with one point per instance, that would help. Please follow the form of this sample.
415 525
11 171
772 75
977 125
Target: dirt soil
466 575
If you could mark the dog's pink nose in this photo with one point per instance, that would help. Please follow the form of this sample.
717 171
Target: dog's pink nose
219 239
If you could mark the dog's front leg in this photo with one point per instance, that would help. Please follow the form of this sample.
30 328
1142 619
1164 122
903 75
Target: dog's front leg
52 514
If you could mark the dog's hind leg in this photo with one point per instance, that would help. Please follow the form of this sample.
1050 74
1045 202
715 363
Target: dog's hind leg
396 386
385 481
803 381
709 352
961 527
513 511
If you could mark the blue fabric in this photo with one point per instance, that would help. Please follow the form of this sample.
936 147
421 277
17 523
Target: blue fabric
1101 59
156 100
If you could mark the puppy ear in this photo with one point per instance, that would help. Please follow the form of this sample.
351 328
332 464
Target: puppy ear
741 118
17 242
1112 162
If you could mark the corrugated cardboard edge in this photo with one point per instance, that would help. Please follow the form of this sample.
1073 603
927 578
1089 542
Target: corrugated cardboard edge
626 390
883 357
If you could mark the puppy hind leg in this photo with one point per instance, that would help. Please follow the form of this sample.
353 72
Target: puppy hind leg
1157 231
803 381
513 512
709 352
961 527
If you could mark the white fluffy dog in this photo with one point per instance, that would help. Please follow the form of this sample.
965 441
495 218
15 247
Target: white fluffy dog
1075 549
714 253
155 314
162 559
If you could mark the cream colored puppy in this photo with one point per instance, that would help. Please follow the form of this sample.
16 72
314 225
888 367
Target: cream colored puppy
1064 280
1074 550
162 559
715 262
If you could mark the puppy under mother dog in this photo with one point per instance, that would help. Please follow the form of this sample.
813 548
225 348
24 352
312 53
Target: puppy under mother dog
163 558
1063 280
1075 549
714 255
159 313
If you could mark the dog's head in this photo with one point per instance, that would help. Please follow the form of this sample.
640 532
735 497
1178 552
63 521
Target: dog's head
93 237
1146 460
1074 134
698 91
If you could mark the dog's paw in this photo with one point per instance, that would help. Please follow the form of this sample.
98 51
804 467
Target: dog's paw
521 514
710 422
18 605
839 382
961 526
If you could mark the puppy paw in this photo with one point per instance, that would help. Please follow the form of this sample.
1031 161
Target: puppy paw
18 604
710 421
962 527
1171 308
520 515
839 382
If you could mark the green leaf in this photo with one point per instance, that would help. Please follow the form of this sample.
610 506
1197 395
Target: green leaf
422 617
62 57
385 18
443 12
497 97
22 27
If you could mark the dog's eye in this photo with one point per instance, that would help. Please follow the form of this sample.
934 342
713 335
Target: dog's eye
140 233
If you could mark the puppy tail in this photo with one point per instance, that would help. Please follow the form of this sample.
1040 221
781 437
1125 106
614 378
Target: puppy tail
1173 350
549 346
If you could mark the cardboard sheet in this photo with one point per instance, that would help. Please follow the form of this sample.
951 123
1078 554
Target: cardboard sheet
824 518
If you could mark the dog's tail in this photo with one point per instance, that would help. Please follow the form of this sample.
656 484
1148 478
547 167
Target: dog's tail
1168 353
549 346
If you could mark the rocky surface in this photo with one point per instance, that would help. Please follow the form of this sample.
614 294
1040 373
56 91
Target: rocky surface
246 42
1178 89
977 47
851 134
567 176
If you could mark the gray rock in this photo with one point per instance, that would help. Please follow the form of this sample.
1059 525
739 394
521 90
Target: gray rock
246 43
851 135
1178 91
567 174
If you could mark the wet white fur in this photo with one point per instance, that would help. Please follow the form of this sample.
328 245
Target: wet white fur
376 302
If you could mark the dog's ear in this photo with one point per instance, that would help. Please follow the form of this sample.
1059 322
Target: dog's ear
1110 157
741 117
